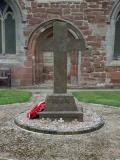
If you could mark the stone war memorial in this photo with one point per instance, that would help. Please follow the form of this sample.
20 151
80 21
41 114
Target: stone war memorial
60 105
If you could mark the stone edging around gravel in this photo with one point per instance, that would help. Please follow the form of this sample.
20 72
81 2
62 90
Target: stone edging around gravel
92 122
1 158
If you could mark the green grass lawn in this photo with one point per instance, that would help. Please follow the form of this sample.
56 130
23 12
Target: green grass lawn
14 96
111 98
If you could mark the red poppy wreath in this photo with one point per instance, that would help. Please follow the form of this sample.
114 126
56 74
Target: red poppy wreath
35 110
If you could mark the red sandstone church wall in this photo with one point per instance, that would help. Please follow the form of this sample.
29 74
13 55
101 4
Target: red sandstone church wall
90 17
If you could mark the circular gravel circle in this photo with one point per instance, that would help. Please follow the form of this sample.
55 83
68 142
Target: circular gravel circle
91 123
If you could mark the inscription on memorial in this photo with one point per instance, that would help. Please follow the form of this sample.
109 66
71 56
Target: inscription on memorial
46 1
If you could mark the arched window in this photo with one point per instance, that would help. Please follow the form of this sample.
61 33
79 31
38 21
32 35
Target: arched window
113 36
7 29
117 39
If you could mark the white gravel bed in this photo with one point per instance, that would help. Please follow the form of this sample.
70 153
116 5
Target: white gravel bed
18 144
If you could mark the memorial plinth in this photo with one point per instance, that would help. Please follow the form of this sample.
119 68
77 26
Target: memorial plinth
62 106
60 102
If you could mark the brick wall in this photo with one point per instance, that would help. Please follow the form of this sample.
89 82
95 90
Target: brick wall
90 17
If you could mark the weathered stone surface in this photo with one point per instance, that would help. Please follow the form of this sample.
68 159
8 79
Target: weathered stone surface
60 57
65 115
60 102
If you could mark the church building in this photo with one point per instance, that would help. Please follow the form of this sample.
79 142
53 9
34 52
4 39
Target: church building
26 31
